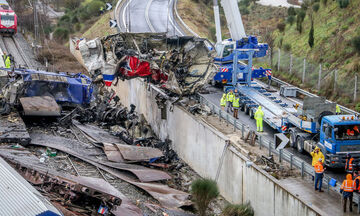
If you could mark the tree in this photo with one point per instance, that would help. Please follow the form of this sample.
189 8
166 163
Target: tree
311 35
356 44
281 26
291 11
203 192
72 4
291 19
343 3
238 210
316 7
299 20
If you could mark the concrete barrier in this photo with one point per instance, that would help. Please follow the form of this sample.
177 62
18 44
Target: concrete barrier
202 147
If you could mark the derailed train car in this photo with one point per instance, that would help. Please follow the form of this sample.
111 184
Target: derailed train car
181 65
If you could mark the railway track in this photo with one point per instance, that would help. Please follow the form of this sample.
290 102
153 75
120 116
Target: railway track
11 46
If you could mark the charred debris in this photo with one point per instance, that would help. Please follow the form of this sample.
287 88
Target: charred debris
69 135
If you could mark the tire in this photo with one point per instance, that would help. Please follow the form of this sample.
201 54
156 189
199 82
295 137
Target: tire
247 110
300 144
242 107
292 139
251 113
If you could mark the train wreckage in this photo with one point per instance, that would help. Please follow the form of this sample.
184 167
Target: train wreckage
89 126
181 65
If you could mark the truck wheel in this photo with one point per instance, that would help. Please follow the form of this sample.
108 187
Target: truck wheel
242 107
292 139
300 144
247 110
251 113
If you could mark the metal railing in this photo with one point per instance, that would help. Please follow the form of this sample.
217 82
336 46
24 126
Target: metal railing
283 154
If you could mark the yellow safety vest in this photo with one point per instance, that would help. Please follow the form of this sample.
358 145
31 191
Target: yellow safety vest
259 114
338 110
7 62
236 103
230 97
223 101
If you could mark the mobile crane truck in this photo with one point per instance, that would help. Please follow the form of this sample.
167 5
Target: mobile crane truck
308 125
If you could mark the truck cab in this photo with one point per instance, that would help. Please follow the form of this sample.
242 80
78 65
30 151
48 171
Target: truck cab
339 135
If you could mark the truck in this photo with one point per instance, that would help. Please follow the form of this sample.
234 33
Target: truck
308 124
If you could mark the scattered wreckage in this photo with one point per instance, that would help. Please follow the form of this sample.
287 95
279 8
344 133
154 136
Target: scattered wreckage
182 65
131 152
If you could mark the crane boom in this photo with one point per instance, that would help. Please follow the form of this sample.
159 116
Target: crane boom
233 18
217 21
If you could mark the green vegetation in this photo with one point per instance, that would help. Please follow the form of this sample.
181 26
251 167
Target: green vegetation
79 16
238 210
203 192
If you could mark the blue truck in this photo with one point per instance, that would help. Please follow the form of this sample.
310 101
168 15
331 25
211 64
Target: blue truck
308 124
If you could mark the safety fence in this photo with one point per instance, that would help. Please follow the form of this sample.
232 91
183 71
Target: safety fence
310 75
263 142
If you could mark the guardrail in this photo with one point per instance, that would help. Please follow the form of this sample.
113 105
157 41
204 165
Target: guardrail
115 14
283 154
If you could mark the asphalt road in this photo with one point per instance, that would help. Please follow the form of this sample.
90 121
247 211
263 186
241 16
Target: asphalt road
149 16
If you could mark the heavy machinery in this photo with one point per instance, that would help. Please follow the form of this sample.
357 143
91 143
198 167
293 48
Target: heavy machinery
308 125
238 41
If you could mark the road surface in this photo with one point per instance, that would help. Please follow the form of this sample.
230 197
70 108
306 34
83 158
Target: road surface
148 16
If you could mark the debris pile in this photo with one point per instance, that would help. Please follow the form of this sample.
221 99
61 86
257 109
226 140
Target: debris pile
182 65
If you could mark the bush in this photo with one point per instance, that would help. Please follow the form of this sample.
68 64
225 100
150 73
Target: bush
72 4
287 47
281 27
324 2
290 20
356 44
238 210
291 11
316 7
61 33
357 107
299 20
343 3
203 191
93 8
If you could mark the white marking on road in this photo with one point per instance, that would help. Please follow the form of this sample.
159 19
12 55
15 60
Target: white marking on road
152 29
172 23
124 18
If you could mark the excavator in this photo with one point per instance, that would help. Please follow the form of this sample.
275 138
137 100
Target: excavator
245 46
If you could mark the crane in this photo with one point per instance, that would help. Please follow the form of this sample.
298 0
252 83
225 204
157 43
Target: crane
245 46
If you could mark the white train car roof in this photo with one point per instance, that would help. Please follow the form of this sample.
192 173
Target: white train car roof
18 197
3 2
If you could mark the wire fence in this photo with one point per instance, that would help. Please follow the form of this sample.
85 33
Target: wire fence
317 77
263 142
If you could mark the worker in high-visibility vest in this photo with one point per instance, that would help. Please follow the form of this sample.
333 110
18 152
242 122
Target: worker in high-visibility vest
347 189
349 164
316 154
259 115
236 106
7 62
357 182
229 99
223 102
319 174
338 110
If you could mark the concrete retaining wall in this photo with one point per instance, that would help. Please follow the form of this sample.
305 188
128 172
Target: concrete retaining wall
201 147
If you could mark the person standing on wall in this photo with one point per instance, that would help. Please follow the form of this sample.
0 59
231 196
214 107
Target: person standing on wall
347 189
319 174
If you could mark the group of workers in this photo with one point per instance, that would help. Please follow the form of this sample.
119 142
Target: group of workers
348 186
231 101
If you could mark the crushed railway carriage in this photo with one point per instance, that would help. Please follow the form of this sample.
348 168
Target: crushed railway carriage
8 19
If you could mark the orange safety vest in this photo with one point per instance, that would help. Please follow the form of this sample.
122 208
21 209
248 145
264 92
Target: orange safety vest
347 186
350 132
355 183
319 168
350 165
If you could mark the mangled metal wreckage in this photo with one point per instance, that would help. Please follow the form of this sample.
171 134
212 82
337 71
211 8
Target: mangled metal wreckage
181 65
